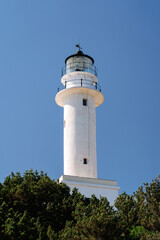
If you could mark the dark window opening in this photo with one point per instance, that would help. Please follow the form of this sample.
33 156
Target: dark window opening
84 102
85 161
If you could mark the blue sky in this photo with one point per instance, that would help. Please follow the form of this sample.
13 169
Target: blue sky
123 38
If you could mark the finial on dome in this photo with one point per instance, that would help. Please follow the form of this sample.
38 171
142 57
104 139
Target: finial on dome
79 52
78 46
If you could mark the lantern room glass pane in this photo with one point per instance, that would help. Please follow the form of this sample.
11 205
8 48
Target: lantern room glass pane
79 63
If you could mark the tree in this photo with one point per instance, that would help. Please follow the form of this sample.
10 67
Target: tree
140 213
32 203
148 208
95 220
127 213
34 207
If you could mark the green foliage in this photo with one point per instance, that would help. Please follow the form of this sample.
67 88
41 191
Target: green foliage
32 203
34 207
137 232
127 213
95 220
140 213
148 205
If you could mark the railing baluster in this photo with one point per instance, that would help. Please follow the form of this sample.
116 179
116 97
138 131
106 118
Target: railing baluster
86 67
74 83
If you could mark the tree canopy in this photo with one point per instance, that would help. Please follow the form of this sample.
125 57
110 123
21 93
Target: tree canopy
34 207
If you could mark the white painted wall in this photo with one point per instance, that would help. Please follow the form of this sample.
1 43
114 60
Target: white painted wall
79 123
80 136
77 76
90 186
110 193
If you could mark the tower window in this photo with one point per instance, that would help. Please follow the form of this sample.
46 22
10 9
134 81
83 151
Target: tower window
84 102
84 160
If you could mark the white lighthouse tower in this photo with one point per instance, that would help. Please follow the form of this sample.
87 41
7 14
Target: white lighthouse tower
79 98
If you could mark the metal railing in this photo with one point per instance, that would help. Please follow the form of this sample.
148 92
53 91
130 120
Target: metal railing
79 66
76 83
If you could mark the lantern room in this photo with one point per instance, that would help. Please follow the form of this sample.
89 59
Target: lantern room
79 62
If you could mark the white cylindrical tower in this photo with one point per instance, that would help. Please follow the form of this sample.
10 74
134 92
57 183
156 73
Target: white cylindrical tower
79 98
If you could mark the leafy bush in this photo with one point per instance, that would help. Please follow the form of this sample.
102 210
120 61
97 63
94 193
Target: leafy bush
34 207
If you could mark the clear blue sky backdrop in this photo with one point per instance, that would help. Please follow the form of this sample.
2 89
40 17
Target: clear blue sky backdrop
124 39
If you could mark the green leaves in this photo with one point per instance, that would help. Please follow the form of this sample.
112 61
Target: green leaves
148 205
95 220
34 207
140 213
32 203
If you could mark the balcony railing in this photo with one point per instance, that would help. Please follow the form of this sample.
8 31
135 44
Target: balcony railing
76 83
79 66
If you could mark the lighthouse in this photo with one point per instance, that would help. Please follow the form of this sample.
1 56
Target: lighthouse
80 96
